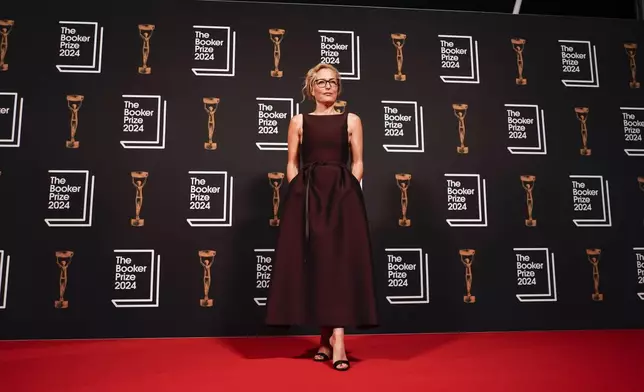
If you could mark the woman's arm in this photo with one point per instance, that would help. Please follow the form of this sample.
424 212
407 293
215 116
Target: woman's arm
355 132
294 128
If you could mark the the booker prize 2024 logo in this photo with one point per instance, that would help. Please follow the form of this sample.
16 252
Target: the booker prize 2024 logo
403 128
81 47
526 129
144 122
579 66
11 105
633 123
639 270
263 271
136 278
536 278
407 276
459 59
591 201
273 117
5 261
466 200
70 201
214 51
341 49
210 201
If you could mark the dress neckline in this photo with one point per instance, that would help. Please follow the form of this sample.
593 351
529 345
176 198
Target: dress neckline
324 115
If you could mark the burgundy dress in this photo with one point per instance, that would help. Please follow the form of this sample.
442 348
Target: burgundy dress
322 270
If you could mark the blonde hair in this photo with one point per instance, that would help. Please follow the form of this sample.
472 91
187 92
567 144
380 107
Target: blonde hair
307 89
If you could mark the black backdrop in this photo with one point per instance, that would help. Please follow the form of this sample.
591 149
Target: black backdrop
167 303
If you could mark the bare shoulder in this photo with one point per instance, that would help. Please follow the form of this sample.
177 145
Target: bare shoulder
354 119
297 120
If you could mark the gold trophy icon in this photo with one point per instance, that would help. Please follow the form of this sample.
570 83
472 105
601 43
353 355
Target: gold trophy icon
593 257
210 105
631 50
74 103
518 46
277 36
275 179
582 116
340 106
467 257
139 179
528 185
145 31
460 110
5 28
63 260
399 41
206 258
403 180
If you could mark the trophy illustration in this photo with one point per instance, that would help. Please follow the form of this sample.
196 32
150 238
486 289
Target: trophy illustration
206 258
518 46
528 185
399 41
210 104
593 257
460 110
403 180
467 257
275 179
74 103
139 179
63 260
145 31
582 116
5 28
340 106
631 49
277 36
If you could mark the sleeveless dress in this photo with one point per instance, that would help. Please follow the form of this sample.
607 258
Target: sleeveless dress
322 269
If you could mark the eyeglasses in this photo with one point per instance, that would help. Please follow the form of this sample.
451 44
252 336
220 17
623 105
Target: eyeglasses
321 83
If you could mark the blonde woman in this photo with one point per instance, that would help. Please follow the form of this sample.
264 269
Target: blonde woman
322 273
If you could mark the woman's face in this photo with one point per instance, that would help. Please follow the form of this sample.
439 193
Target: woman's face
325 86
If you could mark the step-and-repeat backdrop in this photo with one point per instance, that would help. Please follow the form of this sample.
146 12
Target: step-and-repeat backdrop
143 151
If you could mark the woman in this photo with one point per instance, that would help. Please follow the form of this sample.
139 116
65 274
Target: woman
322 273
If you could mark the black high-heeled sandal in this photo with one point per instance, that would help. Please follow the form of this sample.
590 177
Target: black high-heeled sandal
325 357
341 362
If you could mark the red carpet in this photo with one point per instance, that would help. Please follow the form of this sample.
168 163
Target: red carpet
607 361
